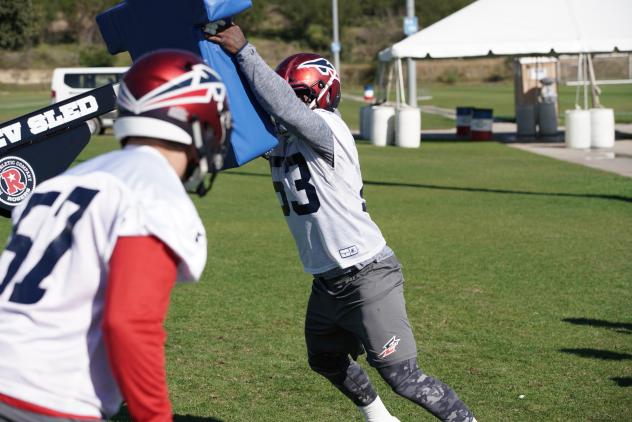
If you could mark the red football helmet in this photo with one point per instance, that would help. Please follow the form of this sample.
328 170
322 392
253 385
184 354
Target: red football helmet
313 78
174 96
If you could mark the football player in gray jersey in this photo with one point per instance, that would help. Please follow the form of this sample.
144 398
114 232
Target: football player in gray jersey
357 301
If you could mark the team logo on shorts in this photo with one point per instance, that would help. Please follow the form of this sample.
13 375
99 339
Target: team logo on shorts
17 180
389 348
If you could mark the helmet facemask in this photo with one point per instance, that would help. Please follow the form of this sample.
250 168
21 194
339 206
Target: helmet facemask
209 154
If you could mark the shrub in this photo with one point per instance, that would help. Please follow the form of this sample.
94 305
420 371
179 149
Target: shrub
450 76
18 24
495 77
95 57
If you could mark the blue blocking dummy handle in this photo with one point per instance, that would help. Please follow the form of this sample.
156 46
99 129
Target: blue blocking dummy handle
141 26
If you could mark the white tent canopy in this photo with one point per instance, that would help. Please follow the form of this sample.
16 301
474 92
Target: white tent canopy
520 27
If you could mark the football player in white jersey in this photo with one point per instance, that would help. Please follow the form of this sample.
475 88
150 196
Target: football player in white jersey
357 300
86 276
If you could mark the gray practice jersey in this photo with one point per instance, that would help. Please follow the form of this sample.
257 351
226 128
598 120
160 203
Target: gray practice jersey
316 175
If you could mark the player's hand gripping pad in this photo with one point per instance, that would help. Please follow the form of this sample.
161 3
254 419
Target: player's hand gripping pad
141 26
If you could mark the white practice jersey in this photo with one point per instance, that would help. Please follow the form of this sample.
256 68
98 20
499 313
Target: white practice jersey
323 205
54 270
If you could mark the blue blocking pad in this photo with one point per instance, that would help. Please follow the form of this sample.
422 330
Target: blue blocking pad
221 9
141 26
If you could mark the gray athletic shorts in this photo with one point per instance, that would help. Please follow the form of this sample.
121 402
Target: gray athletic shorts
13 414
360 312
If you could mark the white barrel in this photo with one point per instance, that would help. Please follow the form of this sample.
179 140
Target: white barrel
547 119
577 129
408 127
382 125
602 128
365 122
525 120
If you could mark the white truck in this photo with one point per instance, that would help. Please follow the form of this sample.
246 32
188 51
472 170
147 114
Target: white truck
70 81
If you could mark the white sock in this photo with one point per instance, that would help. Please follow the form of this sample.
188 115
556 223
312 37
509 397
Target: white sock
376 412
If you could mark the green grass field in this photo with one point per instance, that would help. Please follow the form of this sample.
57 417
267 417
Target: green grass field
16 102
518 270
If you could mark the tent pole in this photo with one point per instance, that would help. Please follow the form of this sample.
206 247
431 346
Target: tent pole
390 79
578 77
401 82
412 82
379 82
594 89
398 98
585 81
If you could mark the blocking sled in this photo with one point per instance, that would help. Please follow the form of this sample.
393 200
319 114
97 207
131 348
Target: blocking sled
42 144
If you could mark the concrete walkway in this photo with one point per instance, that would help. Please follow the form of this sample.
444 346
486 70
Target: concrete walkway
616 160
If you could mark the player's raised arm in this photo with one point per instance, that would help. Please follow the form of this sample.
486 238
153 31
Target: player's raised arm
275 94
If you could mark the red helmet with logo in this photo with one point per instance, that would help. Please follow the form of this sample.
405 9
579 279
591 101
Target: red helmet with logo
174 96
313 78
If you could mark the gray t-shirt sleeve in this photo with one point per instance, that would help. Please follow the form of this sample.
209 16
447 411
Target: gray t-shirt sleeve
277 98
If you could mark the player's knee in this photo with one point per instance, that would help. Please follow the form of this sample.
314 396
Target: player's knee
346 375
332 366
400 374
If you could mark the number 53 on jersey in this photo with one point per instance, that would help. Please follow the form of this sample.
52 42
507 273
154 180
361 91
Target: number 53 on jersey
301 184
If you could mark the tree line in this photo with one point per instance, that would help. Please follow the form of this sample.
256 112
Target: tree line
372 23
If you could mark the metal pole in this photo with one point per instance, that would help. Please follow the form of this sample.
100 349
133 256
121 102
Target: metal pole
585 81
594 88
412 69
335 45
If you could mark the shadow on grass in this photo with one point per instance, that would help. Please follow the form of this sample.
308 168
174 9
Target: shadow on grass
620 327
191 418
503 191
123 416
598 354
438 137
464 189
622 381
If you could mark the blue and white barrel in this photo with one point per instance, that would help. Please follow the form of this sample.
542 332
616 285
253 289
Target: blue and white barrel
463 121
482 122
369 94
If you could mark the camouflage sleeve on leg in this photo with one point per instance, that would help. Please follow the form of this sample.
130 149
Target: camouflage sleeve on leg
407 380
346 375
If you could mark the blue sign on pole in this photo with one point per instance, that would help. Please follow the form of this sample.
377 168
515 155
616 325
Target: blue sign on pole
411 26
142 26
